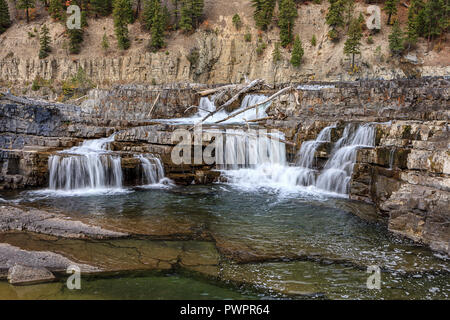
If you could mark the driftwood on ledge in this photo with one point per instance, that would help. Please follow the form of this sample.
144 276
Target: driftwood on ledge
279 93
245 89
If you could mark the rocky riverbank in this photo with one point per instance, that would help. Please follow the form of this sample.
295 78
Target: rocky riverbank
405 176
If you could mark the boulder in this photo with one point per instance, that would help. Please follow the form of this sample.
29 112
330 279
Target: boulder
23 275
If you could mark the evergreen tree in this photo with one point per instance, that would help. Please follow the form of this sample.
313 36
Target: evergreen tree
390 6
313 40
276 54
75 40
335 17
191 14
101 7
263 12
176 11
288 14
351 46
157 29
55 9
297 52
435 18
149 12
105 43
5 20
237 21
44 41
26 5
123 15
412 32
396 39
349 8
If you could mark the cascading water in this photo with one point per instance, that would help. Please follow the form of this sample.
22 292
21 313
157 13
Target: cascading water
338 170
152 169
89 166
250 160
306 156
207 105
92 166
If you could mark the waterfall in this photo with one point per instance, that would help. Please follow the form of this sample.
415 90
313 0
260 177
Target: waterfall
338 170
92 166
252 161
391 158
306 154
89 166
306 157
152 169
250 149
207 105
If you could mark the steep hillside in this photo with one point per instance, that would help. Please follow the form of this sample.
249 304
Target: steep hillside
224 55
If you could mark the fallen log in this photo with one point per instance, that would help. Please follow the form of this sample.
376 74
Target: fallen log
222 88
153 106
279 93
234 98
260 119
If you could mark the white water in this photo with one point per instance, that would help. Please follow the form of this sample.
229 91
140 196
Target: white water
89 166
338 170
250 161
306 154
207 105
92 168
152 169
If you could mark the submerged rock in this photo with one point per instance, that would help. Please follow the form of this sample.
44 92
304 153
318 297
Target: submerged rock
13 218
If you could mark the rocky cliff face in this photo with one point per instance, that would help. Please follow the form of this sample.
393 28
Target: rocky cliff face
216 53
405 176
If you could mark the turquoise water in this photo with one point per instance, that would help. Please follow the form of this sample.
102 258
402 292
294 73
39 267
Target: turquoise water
268 243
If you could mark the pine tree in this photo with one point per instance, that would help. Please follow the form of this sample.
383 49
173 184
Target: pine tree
335 15
5 20
390 6
44 41
435 18
276 54
335 18
353 42
191 13
396 39
101 7
412 32
55 9
158 26
237 21
288 14
75 40
105 43
297 52
349 8
263 12
186 22
26 5
176 11
313 40
197 11
123 15
149 12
